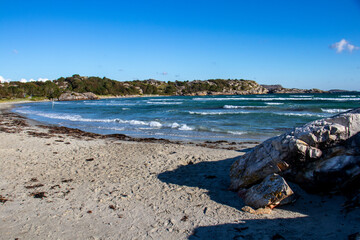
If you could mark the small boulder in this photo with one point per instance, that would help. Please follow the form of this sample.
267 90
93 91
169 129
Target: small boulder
259 211
269 193
248 209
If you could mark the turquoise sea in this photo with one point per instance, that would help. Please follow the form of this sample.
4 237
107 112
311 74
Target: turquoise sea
205 118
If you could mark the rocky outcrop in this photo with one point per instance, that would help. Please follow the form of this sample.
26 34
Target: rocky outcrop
321 156
73 96
280 89
339 91
256 90
220 87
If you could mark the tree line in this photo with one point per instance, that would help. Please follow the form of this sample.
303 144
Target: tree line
106 86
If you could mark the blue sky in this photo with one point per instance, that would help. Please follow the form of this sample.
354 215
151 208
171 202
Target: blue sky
304 44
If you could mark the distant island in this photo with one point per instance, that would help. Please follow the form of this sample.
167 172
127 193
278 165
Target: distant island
79 87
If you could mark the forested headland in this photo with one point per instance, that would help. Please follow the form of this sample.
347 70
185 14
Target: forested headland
105 86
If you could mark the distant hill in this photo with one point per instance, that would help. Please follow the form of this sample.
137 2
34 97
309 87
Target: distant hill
280 89
339 91
106 86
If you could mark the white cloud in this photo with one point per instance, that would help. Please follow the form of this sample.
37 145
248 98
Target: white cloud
43 79
344 45
23 80
162 73
3 80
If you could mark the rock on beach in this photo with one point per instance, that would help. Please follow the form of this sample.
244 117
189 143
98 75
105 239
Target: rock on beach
72 96
321 156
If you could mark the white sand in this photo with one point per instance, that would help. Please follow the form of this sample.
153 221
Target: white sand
131 190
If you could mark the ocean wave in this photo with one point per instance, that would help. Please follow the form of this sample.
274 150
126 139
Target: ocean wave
22 107
185 127
61 103
231 107
243 107
152 124
78 118
155 124
174 125
348 96
335 110
278 99
220 131
273 103
237 132
217 113
302 96
300 114
108 104
111 128
70 117
163 103
163 99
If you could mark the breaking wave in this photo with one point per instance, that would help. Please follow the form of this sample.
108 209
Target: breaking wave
336 110
278 99
243 107
217 113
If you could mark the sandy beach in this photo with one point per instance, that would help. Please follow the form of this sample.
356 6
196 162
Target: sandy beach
71 185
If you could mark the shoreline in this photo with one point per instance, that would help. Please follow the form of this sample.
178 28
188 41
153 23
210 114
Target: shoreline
60 183
221 144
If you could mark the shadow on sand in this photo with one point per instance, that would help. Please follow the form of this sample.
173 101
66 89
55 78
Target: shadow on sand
206 175
322 217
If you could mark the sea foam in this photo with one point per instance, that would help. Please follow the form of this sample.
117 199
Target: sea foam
334 110
278 99
185 127
163 103
237 132
300 114
218 113
243 107
273 103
